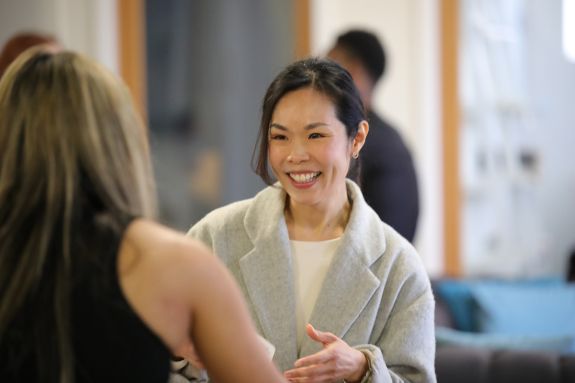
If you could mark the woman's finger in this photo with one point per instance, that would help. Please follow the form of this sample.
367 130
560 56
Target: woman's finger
320 336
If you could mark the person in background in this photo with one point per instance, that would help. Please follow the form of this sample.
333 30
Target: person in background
339 293
19 42
387 174
93 290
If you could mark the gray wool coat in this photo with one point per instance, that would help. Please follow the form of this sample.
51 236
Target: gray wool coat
376 295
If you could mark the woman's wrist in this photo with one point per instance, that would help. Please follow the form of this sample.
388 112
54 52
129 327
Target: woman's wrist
362 371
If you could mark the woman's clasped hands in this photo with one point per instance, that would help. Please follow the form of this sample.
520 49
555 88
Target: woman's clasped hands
336 362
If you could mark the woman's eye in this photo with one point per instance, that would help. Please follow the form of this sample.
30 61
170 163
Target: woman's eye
315 135
278 137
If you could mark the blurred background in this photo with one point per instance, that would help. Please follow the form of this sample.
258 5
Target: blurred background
482 91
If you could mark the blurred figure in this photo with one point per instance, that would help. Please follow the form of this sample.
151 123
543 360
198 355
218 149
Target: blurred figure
387 176
92 289
19 43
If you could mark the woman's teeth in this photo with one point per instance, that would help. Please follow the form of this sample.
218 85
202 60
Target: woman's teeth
304 177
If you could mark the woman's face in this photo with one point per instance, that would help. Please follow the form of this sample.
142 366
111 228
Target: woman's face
309 150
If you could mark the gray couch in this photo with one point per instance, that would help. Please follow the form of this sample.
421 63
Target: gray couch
457 364
473 365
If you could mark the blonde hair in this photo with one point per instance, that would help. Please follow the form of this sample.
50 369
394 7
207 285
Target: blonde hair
71 144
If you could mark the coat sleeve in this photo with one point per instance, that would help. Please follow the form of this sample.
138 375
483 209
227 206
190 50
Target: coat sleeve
405 350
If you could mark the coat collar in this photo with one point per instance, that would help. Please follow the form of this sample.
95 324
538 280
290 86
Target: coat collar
268 274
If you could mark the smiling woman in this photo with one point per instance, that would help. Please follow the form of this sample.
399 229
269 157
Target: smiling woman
310 154
330 285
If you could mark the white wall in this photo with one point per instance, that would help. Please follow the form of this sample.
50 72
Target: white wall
87 26
409 94
552 91
517 98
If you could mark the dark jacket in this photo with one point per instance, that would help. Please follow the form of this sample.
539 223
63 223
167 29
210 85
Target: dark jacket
388 179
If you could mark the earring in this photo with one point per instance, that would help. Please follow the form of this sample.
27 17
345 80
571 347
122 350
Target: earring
355 155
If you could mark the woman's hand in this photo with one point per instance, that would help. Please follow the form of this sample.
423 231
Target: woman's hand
337 361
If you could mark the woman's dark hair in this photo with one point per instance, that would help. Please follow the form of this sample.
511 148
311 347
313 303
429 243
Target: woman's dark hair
322 75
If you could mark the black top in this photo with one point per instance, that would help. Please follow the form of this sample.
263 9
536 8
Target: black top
387 177
110 341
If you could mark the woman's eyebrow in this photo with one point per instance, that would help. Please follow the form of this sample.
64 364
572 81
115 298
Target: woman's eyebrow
277 126
311 126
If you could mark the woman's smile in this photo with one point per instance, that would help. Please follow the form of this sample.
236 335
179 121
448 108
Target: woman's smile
303 179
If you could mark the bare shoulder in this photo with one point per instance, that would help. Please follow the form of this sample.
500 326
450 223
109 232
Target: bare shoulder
158 241
160 272
162 255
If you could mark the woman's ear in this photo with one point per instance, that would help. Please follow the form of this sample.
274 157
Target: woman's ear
360 136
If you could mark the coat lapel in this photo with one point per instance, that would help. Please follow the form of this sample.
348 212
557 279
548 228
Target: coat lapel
349 283
268 275
343 296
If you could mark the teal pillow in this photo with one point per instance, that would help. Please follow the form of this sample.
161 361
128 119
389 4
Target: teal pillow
538 310
459 298
558 343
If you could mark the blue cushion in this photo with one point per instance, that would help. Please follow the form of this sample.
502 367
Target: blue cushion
538 310
558 343
458 296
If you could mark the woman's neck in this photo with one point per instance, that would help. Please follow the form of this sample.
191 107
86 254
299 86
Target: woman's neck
308 223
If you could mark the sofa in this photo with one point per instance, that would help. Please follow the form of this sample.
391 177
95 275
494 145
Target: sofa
468 352
475 365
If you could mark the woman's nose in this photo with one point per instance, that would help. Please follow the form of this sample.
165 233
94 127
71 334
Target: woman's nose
298 153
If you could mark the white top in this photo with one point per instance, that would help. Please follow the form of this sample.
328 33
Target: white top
311 260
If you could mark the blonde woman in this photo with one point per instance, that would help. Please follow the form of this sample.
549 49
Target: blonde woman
92 289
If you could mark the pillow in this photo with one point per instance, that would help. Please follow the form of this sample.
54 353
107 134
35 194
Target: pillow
459 298
558 343
538 310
